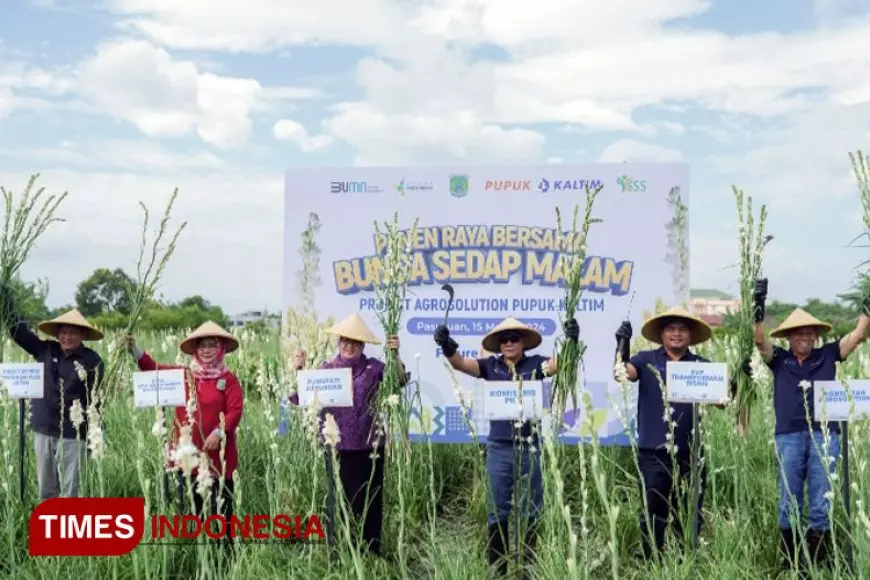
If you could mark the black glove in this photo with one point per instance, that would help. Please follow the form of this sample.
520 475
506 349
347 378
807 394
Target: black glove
759 296
572 329
442 339
623 341
7 303
865 305
746 369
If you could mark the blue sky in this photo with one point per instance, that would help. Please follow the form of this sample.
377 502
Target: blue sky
118 101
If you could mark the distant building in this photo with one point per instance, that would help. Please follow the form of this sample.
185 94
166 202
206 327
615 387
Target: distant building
240 320
711 306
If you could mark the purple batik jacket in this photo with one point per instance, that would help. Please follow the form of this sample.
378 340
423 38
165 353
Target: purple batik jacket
355 423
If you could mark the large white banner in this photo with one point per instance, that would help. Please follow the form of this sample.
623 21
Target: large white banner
490 232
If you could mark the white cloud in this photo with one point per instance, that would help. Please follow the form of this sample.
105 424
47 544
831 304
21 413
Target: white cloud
7 102
227 252
260 25
163 97
290 130
142 156
426 139
634 152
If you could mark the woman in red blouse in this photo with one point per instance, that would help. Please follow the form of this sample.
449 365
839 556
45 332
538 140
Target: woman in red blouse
218 393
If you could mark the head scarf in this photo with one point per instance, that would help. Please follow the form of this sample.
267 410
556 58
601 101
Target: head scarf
215 368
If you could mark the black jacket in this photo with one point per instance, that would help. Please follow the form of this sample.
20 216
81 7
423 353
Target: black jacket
45 413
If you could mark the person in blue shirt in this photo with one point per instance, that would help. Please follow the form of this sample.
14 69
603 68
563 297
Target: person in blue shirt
511 339
801 448
661 434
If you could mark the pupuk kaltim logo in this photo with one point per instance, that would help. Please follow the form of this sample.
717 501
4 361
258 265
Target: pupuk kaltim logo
115 526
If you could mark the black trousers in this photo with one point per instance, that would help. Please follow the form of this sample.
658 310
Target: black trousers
664 498
366 500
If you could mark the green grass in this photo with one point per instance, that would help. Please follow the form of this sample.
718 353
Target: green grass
444 516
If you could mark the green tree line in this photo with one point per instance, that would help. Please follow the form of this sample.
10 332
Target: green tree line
104 298
842 314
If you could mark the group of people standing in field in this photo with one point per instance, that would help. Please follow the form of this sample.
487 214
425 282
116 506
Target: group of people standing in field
805 453
73 372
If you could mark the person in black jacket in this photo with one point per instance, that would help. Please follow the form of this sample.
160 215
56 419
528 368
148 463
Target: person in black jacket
71 372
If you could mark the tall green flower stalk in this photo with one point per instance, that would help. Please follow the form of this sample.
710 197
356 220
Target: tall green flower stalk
861 167
678 243
751 245
572 258
23 223
391 288
149 270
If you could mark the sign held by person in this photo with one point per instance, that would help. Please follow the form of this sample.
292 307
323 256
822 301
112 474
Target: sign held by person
161 388
325 387
834 401
697 382
23 380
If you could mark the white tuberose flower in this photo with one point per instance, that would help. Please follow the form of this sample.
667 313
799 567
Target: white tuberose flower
186 455
805 384
330 432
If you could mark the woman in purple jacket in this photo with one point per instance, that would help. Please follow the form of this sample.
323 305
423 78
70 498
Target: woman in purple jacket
360 449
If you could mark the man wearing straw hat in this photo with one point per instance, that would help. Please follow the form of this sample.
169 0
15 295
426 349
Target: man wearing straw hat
71 372
802 449
511 338
661 433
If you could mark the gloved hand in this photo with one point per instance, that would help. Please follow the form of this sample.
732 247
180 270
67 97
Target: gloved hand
746 369
572 329
7 304
442 339
624 331
759 297
623 341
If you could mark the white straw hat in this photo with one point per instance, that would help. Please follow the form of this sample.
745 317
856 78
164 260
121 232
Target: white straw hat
531 337
208 330
354 328
71 318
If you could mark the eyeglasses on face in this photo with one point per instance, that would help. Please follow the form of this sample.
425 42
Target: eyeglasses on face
509 337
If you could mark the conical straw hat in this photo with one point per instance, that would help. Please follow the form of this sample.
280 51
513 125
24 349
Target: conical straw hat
799 318
700 331
71 318
354 328
532 338
211 330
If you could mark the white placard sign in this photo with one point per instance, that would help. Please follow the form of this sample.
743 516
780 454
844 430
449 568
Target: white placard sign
697 382
332 387
836 405
162 388
502 401
23 380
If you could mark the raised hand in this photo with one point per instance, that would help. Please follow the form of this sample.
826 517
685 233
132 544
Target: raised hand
572 329
442 339
759 296
299 360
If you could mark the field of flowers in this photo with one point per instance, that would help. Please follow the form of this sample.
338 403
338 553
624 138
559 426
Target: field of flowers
435 508
592 503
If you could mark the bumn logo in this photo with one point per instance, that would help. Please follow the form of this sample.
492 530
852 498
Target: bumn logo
352 187
458 185
628 184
